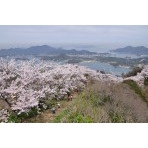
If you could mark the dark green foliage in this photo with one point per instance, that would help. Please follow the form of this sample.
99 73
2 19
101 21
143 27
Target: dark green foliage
32 112
103 72
133 72
19 118
13 118
146 81
50 103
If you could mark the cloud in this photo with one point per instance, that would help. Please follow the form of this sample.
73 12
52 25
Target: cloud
20 34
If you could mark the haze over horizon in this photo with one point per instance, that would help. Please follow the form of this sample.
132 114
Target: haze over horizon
99 38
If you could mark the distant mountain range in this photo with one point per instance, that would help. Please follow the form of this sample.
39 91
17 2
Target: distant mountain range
42 50
140 50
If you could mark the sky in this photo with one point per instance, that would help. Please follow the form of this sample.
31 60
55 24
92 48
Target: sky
95 37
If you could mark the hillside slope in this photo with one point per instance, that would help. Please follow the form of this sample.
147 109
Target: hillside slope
30 88
140 50
42 50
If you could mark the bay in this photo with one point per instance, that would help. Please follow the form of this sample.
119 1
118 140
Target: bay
106 67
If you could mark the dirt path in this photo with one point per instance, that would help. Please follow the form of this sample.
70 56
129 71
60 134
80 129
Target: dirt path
47 116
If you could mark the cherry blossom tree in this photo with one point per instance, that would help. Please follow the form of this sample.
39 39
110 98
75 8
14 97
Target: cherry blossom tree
25 84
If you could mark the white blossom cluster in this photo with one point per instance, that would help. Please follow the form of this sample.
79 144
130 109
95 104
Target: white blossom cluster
4 115
24 84
139 78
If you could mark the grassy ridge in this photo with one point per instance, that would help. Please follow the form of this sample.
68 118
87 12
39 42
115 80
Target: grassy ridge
105 104
134 86
88 107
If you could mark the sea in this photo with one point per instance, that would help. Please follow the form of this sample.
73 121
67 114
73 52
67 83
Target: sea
106 67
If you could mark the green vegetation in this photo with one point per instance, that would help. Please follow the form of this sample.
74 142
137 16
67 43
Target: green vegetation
21 117
146 81
100 103
89 106
78 118
59 117
50 103
13 118
133 72
72 117
80 110
134 86
116 118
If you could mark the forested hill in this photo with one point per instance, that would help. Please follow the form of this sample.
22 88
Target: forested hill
42 50
140 50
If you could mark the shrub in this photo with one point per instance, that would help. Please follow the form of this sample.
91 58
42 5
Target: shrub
99 99
116 118
146 81
133 72
50 103
86 75
24 115
13 118
70 116
78 118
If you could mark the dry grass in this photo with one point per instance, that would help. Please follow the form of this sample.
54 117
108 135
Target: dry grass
82 110
106 102
125 102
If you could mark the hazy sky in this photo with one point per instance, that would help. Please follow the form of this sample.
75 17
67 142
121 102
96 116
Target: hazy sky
104 37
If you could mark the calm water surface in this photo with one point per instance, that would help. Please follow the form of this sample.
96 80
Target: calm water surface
95 65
